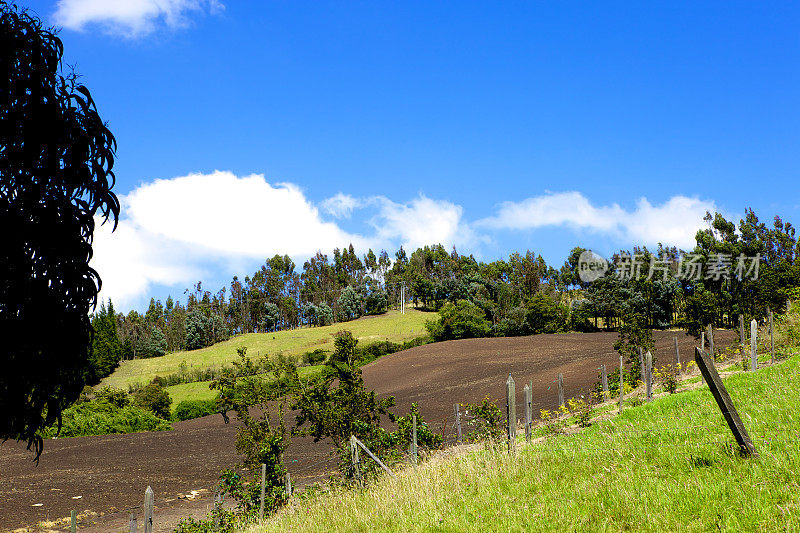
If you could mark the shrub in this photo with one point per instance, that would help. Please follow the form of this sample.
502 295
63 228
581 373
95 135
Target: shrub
116 397
668 377
189 409
314 357
462 320
101 417
485 419
154 398
217 521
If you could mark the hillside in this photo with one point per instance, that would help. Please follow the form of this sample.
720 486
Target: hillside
665 466
391 326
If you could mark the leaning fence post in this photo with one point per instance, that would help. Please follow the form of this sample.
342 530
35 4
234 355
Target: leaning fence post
148 510
725 403
528 412
649 382
771 338
703 341
458 421
73 521
511 413
604 380
753 344
372 455
263 490
621 383
414 439
560 389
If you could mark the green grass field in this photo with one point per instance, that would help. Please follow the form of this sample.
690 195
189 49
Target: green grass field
670 465
391 326
200 391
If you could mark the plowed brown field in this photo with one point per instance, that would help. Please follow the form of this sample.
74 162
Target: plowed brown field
107 475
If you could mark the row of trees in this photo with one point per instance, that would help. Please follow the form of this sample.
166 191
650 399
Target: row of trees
521 295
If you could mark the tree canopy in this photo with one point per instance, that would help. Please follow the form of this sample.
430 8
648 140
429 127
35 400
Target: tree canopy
56 159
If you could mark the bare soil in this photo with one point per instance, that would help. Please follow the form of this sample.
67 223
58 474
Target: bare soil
104 478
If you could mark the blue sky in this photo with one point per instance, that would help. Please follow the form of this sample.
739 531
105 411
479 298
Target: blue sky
252 128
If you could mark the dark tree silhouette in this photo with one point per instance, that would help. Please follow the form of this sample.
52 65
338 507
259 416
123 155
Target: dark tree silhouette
56 157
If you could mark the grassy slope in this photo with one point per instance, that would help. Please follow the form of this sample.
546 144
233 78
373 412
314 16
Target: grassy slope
664 466
391 326
200 391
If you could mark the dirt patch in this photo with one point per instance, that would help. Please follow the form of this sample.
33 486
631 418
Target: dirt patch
110 473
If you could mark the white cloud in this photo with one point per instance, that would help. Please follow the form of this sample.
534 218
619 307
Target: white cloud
172 230
673 223
129 17
420 222
130 260
176 231
225 214
341 205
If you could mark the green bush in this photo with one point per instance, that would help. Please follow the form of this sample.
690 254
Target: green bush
154 398
189 409
462 320
217 521
101 417
314 357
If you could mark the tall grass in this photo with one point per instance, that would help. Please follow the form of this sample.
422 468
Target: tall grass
671 465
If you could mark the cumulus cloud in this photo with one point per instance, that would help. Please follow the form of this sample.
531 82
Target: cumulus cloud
129 17
673 223
341 205
422 221
225 214
173 230
176 231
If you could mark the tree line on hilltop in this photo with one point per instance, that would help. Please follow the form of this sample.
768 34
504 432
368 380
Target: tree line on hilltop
521 295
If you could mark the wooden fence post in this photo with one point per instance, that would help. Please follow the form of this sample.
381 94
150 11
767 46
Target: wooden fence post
753 344
649 373
621 383
725 403
217 506
642 370
511 413
357 443
414 439
711 341
677 353
458 422
560 389
73 521
133 527
742 338
604 380
703 341
148 510
263 490
355 460
528 411
289 485
771 338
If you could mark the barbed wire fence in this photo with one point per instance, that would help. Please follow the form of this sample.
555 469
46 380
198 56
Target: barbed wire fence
462 426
